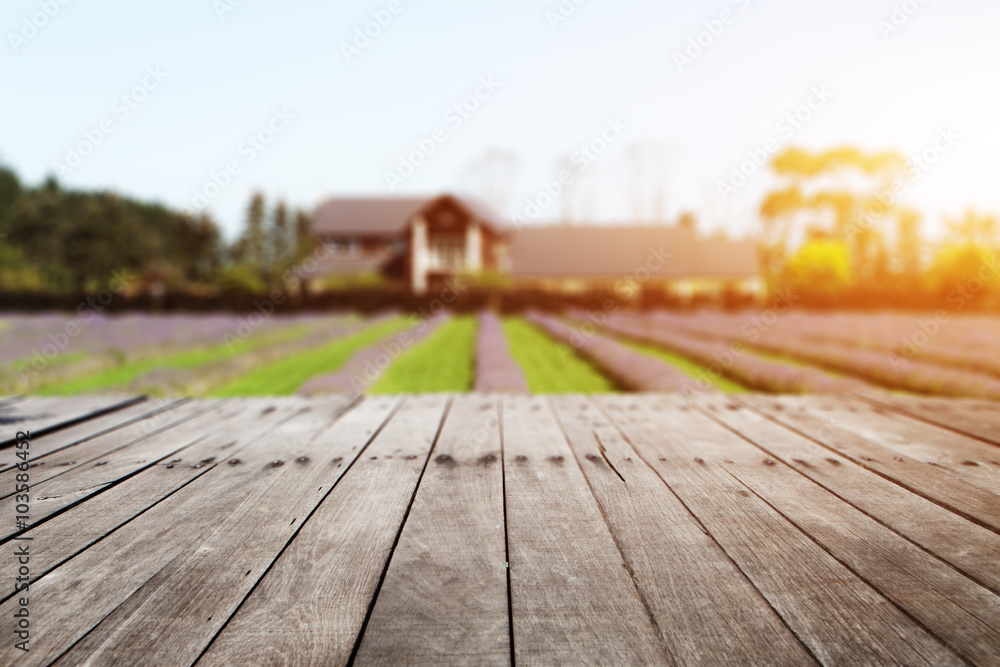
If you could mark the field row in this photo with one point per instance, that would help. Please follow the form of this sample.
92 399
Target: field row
575 352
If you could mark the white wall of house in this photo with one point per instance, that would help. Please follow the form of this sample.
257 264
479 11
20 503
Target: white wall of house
419 256
474 247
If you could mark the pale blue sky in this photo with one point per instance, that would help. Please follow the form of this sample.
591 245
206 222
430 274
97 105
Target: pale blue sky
558 88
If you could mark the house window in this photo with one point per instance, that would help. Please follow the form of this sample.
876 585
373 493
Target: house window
447 253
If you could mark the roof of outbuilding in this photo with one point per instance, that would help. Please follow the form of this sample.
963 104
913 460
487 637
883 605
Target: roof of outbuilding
616 251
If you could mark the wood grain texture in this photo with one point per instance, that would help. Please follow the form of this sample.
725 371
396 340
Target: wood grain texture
957 610
833 612
707 610
85 479
42 416
79 594
187 602
970 548
68 534
937 484
310 607
974 417
573 599
87 450
136 418
444 597
972 460
641 530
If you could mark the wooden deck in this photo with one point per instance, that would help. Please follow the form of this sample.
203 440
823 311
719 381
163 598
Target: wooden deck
477 529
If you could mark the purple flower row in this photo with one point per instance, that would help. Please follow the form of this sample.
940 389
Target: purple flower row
629 368
496 371
363 369
739 364
878 367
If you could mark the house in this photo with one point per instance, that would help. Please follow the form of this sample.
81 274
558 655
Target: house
419 241
423 241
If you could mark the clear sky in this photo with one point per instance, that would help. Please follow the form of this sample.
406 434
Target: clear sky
337 122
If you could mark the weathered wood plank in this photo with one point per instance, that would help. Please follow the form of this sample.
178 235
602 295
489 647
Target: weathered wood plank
840 618
960 612
74 598
972 549
69 533
960 455
929 481
86 479
140 418
572 597
444 596
42 416
974 417
310 607
88 450
706 608
187 602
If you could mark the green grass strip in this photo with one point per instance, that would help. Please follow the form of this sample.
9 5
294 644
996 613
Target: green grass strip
127 372
284 377
550 368
444 361
687 366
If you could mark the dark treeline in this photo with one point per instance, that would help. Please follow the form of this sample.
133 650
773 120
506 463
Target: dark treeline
59 241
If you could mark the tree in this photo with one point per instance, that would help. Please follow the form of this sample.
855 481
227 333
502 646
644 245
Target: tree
973 229
819 265
908 243
250 248
76 239
199 245
280 240
305 242
10 191
818 196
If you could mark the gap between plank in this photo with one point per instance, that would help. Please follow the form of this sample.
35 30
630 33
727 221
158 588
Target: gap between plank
895 481
955 651
607 525
781 460
399 533
302 524
705 530
506 536
143 511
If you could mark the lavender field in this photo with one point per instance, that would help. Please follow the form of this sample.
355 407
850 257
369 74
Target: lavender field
230 355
